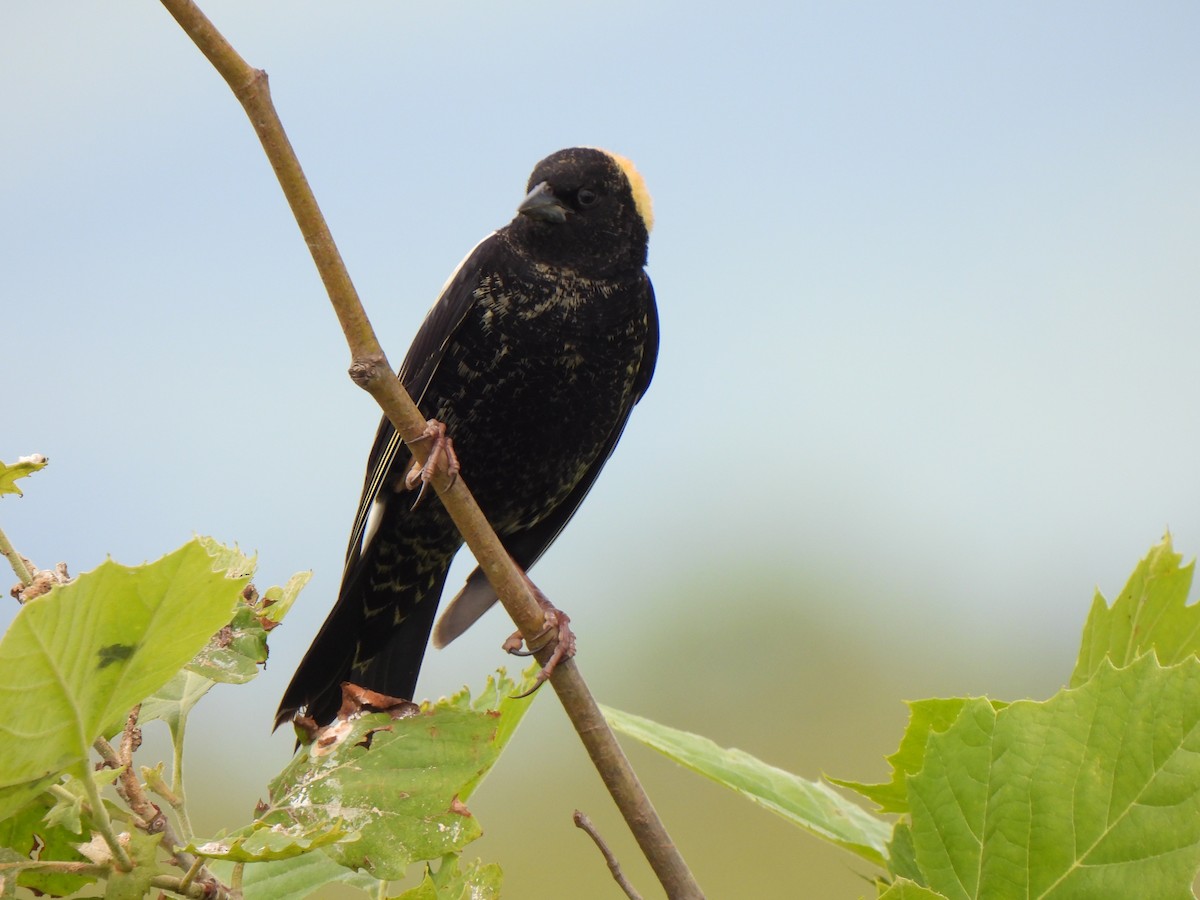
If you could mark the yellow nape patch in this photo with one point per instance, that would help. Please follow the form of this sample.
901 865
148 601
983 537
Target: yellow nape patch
641 196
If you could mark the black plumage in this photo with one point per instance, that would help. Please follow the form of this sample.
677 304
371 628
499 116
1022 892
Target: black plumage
533 357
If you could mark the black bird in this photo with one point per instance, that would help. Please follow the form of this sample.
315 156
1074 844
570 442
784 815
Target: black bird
533 357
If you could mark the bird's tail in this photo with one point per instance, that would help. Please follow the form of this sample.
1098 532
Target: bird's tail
375 635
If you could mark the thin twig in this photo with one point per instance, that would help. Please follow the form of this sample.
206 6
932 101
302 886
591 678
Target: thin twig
153 819
175 885
582 821
130 790
371 371
131 738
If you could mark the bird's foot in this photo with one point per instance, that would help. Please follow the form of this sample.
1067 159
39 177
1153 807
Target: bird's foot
442 461
556 629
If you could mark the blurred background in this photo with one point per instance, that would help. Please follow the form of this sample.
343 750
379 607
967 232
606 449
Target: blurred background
927 277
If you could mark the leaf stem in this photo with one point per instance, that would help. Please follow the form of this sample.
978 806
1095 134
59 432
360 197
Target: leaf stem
14 559
190 875
178 800
104 823
61 793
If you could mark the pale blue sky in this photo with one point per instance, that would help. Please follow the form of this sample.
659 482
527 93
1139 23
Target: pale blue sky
928 277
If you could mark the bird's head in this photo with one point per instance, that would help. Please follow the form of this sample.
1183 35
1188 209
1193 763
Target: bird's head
587 209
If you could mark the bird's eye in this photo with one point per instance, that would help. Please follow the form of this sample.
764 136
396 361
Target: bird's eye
586 197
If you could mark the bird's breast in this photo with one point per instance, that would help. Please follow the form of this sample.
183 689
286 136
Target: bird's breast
532 385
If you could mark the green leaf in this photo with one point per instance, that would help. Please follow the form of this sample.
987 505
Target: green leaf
902 854
478 881
8 884
277 601
1149 614
174 700
31 834
903 889
257 844
293 878
22 468
230 560
233 655
392 788
76 659
924 717
1093 793
811 805
135 884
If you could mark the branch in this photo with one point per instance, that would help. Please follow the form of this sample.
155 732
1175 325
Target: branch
583 822
154 821
371 371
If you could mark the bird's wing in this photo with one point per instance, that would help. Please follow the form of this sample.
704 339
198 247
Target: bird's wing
526 547
315 683
416 372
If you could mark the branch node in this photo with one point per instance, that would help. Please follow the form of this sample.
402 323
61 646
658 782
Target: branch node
367 370
257 82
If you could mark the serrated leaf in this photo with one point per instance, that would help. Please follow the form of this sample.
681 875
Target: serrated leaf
1093 793
903 889
76 659
135 884
31 834
902 854
1151 613
233 655
230 560
277 601
66 812
263 844
426 890
478 881
924 718
22 468
397 783
811 805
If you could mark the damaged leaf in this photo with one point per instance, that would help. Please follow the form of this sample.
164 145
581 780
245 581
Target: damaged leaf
22 468
395 786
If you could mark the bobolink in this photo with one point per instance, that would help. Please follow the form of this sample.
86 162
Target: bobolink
534 355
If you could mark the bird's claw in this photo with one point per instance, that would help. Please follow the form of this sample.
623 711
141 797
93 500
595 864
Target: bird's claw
441 461
557 630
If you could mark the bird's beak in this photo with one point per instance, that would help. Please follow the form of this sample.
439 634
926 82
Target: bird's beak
541 204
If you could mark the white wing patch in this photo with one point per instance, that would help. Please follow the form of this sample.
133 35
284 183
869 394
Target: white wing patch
374 517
